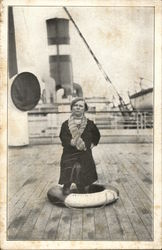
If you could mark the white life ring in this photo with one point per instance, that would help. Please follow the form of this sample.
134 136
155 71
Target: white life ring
104 195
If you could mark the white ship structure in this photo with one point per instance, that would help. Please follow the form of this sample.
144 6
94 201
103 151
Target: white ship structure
142 100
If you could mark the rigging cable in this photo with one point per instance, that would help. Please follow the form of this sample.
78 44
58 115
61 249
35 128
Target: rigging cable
90 50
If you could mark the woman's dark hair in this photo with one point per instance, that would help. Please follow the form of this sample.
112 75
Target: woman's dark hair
77 100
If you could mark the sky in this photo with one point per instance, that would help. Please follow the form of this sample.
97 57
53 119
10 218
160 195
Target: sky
122 39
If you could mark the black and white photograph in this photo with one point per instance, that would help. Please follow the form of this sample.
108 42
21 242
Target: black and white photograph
80 123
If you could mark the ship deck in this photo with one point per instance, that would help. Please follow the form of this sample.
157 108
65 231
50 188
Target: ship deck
33 170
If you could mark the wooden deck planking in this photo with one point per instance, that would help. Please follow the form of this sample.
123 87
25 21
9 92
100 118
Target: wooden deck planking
40 225
25 168
145 166
128 230
144 152
101 226
34 210
134 197
33 206
122 160
136 216
88 224
142 211
52 224
18 201
29 191
16 210
32 202
25 231
133 183
38 170
76 231
125 225
116 226
137 224
63 231
139 195
140 173
28 212
138 205
32 171
44 214
135 221
130 218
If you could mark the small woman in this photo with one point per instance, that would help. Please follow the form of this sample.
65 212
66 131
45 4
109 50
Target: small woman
78 136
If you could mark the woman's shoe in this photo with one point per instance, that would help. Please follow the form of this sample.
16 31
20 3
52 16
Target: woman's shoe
66 189
87 189
81 189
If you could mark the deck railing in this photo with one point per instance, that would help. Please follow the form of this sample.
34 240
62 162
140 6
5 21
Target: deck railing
48 124
127 120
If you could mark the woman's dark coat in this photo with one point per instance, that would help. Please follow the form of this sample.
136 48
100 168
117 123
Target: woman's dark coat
71 155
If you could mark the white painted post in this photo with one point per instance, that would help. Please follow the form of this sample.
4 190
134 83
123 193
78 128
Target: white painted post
137 123
18 134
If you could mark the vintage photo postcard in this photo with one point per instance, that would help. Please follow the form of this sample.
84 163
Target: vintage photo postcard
80 102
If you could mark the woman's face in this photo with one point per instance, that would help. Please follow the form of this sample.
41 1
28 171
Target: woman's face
78 108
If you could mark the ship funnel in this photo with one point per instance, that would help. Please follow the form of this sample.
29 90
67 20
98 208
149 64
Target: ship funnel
58 31
60 61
